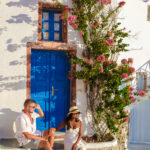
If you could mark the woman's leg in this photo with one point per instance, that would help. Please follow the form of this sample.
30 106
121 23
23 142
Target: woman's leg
50 134
79 148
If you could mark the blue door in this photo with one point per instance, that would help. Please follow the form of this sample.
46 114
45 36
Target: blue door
50 86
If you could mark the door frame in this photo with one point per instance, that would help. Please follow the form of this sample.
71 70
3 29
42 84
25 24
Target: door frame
58 46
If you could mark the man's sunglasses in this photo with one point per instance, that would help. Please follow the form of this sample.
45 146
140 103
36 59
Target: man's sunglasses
32 106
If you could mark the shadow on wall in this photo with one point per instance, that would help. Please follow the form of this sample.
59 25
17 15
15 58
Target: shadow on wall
21 18
12 47
24 3
8 116
12 83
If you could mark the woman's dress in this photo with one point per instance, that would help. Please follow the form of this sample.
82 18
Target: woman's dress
71 137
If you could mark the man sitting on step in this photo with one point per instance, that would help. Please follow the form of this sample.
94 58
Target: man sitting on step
26 133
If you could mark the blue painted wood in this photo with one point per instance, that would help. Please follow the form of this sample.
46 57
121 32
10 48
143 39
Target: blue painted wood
51 21
50 69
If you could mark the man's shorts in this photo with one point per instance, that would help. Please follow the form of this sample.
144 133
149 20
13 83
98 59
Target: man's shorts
33 144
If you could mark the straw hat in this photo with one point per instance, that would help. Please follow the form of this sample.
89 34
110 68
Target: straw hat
73 109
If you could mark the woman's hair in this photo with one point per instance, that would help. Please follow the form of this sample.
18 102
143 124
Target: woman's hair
28 101
67 120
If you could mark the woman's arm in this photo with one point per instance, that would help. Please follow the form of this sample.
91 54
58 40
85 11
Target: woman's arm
62 124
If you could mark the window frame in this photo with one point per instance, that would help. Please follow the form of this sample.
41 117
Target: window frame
145 79
148 13
52 7
51 22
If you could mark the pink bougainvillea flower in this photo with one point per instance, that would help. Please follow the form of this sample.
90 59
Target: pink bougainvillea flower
126 111
74 26
62 17
109 42
127 119
124 61
130 60
72 53
132 97
131 69
94 26
106 2
108 62
70 11
130 92
81 33
101 58
111 73
101 69
131 89
122 3
124 76
72 20
87 61
74 17
133 101
141 93
69 18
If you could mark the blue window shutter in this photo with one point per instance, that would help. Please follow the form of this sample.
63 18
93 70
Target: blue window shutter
54 31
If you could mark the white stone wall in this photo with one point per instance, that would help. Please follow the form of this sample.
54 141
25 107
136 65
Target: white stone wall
134 18
18 25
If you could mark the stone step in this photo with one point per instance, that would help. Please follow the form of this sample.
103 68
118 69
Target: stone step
6 144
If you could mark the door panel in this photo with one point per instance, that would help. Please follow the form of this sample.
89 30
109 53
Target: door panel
50 86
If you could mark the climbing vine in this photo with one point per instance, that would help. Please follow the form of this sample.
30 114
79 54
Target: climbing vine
107 82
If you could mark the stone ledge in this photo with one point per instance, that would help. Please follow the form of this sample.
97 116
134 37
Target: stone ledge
51 45
103 145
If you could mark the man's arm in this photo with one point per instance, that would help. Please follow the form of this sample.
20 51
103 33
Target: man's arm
33 137
40 110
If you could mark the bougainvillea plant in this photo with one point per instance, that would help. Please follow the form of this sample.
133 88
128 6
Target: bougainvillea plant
106 82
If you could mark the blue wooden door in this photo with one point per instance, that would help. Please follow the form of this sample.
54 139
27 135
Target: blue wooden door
50 86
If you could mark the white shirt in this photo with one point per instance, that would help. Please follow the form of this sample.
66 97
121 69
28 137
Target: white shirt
23 124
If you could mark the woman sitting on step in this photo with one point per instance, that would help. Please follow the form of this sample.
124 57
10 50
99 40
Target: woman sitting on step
73 135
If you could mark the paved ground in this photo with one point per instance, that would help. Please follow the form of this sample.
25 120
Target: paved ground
6 144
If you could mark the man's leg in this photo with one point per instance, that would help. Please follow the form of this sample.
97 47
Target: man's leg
50 134
45 145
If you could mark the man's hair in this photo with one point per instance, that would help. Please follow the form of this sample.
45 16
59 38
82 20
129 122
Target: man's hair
28 101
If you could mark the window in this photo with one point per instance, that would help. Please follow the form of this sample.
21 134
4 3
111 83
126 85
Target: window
148 13
141 79
51 26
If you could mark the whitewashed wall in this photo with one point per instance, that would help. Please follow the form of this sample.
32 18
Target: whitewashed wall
134 18
18 25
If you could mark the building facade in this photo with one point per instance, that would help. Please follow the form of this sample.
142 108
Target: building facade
34 63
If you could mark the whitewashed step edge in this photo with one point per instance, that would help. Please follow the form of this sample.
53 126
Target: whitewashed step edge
112 143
